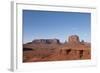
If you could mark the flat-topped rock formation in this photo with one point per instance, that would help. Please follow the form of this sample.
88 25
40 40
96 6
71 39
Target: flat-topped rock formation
42 43
54 50
46 41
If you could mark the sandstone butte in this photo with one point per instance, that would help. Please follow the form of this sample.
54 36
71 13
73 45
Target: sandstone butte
53 50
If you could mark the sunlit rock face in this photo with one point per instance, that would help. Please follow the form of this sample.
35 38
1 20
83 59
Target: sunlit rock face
53 50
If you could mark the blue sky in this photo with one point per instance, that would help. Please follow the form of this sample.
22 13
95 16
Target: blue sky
52 24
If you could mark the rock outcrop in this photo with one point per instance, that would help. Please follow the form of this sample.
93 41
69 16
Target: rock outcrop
73 39
54 50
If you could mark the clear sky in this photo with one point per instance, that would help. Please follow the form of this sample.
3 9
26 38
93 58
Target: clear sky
51 24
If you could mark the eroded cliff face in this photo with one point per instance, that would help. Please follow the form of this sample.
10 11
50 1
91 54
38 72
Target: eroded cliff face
54 50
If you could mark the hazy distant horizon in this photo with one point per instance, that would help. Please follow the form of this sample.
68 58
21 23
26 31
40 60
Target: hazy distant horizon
66 40
59 25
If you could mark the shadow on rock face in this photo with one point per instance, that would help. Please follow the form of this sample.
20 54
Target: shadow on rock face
27 49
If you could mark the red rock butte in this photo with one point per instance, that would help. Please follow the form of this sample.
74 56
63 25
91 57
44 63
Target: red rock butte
53 50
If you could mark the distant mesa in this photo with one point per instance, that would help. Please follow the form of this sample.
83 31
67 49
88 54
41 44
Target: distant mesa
46 41
73 39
